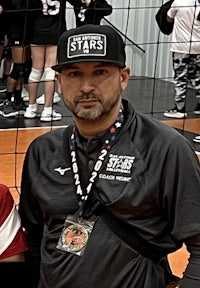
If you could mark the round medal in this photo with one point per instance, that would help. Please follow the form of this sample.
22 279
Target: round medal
75 237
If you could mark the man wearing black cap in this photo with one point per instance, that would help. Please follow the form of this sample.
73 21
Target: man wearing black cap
104 200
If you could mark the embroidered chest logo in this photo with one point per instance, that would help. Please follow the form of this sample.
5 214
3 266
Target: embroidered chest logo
120 163
62 171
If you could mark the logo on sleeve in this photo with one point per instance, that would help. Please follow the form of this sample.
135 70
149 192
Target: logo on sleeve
86 45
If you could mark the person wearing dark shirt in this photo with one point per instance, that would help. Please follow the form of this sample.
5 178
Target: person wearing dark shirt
48 24
18 30
90 11
104 200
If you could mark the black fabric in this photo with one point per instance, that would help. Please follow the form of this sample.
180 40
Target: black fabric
17 97
103 44
47 26
13 274
154 202
198 17
3 25
9 95
143 247
32 263
171 280
95 11
18 22
161 18
17 71
192 270
19 4
133 239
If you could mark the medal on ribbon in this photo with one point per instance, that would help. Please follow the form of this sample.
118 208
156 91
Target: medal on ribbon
75 235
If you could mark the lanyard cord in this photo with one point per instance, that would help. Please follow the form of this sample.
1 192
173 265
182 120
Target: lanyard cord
107 145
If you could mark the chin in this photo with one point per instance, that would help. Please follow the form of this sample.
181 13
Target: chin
89 114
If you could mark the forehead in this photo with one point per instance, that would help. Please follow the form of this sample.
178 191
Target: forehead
90 65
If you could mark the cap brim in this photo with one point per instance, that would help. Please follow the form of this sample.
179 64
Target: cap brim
60 66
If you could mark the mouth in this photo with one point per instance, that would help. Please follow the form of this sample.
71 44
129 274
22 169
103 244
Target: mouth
88 102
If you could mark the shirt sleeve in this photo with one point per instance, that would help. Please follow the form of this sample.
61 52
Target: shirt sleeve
191 276
181 194
31 217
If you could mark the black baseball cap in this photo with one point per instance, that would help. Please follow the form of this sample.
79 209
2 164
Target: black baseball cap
90 43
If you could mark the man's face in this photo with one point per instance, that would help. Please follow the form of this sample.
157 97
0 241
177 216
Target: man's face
92 89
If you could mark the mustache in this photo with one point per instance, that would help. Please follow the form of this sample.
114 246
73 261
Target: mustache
87 96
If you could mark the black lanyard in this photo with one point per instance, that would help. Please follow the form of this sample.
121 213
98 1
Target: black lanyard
107 145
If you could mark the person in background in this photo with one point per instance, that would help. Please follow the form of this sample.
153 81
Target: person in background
18 31
2 46
2 43
6 64
104 200
12 243
185 52
48 24
90 11
5 56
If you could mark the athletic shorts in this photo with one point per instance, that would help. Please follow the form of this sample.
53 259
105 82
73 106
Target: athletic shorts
19 32
40 38
47 30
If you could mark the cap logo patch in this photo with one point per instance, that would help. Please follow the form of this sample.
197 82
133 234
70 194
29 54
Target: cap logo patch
91 44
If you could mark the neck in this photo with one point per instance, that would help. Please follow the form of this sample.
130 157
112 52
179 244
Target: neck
91 128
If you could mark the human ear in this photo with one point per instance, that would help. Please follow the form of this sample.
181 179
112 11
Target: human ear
125 75
59 88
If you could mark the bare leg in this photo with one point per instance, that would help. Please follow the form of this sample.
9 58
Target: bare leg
19 56
50 60
38 58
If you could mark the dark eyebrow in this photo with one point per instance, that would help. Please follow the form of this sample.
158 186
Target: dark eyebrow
99 65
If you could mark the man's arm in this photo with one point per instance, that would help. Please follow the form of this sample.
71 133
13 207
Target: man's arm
169 19
31 218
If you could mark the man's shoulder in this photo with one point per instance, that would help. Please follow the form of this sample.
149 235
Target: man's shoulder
156 129
58 135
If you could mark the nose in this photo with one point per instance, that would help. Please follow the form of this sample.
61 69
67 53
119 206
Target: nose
86 85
